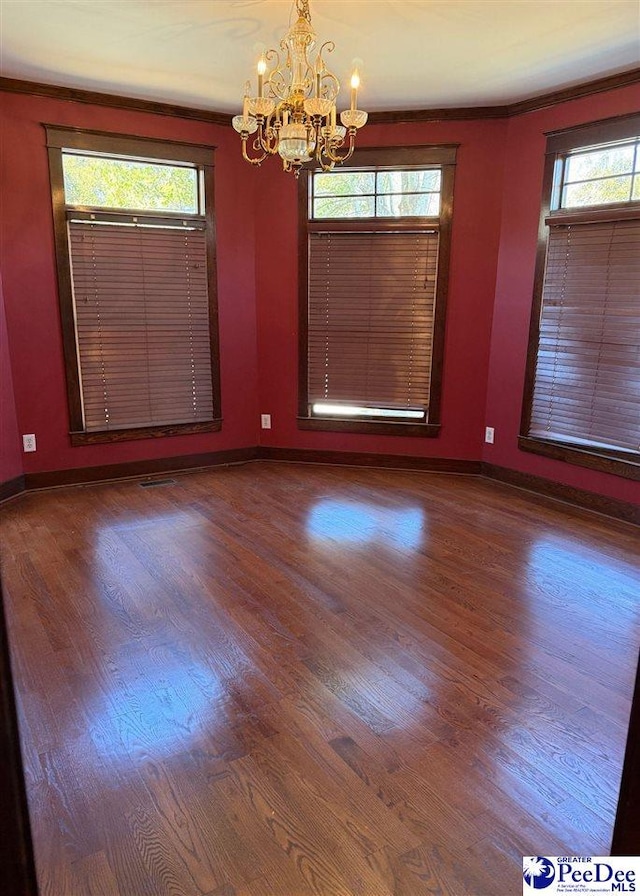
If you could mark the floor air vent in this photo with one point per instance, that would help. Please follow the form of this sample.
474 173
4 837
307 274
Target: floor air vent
156 482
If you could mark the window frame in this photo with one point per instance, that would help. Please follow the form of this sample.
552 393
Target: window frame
442 156
99 143
560 144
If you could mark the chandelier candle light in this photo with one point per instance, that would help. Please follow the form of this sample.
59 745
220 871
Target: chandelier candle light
294 113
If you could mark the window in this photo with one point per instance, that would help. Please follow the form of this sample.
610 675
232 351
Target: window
373 283
582 393
136 273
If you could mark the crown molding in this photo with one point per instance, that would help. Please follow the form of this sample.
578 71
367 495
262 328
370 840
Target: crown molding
611 82
114 101
459 113
462 113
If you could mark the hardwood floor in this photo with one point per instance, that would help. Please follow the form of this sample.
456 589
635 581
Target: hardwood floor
284 680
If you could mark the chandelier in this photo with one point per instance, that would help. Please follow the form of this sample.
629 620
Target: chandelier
294 112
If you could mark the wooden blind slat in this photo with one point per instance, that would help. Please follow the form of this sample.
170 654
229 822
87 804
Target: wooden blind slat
142 321
371 313
587 386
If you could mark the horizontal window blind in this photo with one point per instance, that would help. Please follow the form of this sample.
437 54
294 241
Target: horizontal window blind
587 383
142 322
371 317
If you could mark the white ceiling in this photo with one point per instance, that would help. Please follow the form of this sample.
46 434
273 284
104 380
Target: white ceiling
417 54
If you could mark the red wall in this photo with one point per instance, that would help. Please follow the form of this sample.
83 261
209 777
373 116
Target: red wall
10 453
475 235
496 207
30 288
523 171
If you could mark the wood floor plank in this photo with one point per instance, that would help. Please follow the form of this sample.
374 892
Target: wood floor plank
435 870
181 825
94 876
326 851
278 857
295 680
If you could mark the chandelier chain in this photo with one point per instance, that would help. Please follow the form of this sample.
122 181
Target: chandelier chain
302 7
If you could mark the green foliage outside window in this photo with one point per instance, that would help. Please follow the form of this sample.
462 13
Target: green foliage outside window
377 194
103 182
599 176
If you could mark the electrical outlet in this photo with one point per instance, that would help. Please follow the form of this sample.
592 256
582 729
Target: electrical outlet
29 442
488 435
265 421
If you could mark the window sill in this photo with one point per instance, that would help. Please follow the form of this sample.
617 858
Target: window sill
616 464
335 424
147 432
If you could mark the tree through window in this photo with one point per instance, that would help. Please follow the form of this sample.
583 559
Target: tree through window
136 271
582 395
373 285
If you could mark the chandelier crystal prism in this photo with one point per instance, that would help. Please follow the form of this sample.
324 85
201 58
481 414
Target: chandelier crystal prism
294 112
